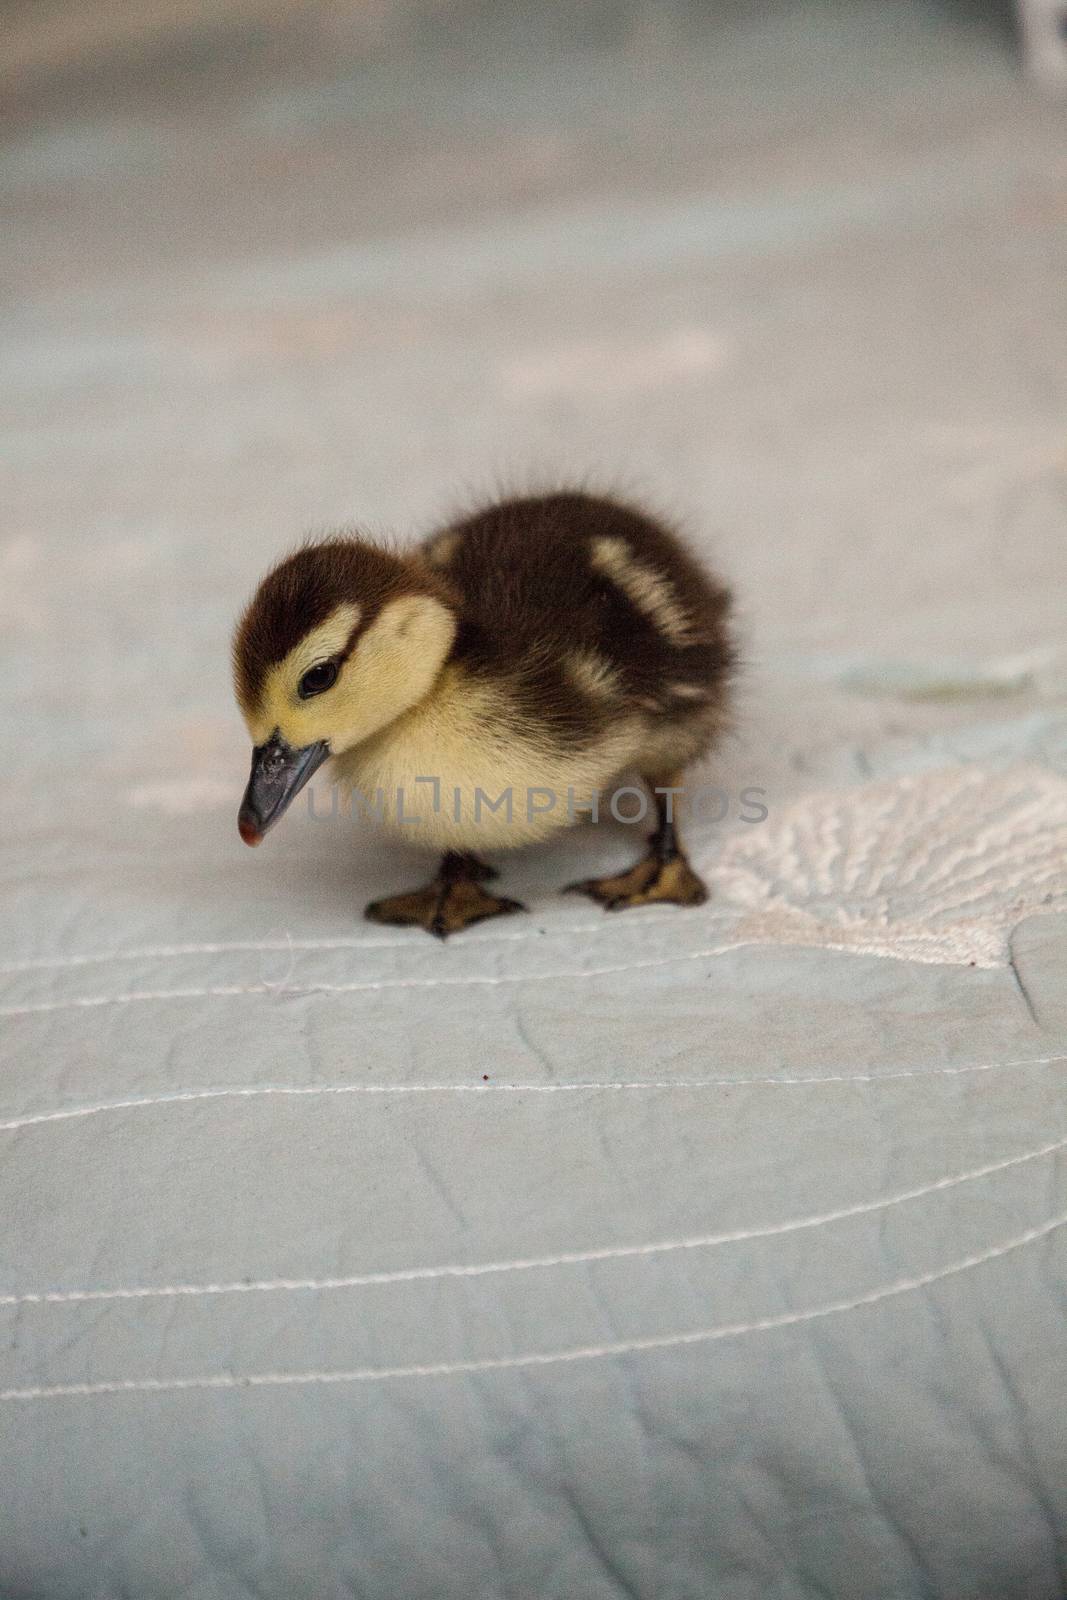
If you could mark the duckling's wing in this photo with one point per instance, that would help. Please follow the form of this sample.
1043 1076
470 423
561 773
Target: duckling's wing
590 609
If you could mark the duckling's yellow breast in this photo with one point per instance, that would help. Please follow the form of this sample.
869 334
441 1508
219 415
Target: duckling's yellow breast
465 770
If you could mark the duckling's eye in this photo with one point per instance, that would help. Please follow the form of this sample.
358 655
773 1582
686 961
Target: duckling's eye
317 680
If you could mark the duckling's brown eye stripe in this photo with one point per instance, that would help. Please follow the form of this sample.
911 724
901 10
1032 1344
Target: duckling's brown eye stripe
324 674
299 595
443 1369
366 617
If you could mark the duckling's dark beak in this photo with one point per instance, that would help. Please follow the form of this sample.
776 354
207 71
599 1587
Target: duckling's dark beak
279 772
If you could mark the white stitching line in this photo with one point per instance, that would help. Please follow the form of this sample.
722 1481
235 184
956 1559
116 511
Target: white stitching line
284 946
548 1358
231 991
568 1258
255 1091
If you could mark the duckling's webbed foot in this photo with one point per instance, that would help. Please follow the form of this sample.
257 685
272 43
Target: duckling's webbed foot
662 877
450 903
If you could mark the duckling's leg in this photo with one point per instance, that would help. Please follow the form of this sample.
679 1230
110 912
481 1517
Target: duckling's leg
452 901
662 876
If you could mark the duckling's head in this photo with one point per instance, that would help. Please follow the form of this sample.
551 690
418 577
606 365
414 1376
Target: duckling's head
339 640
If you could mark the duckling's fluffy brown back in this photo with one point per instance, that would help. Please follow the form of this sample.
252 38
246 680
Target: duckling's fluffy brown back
590 610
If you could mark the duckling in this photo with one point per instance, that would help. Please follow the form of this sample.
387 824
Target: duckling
482 690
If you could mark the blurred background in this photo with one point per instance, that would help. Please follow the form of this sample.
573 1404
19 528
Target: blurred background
793 272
